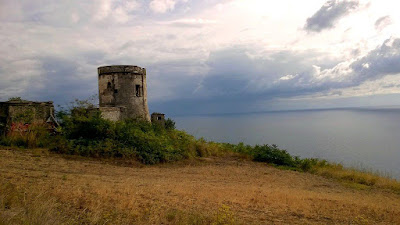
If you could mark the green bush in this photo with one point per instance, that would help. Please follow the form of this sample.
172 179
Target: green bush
306 164
170 124
86 133
272 154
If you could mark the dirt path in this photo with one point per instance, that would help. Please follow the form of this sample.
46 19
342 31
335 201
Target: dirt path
206 191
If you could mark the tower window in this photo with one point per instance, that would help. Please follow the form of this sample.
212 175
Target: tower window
158 117
138 91
115 91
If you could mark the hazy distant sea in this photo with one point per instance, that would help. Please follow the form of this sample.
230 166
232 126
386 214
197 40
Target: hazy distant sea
362 138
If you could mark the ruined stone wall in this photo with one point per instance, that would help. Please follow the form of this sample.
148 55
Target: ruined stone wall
28 112
3 109
124 86
24 112
3 117
158 118
113 113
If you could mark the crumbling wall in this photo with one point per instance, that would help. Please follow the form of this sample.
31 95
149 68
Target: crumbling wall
18 113
158 118
3 117
113 113
30 112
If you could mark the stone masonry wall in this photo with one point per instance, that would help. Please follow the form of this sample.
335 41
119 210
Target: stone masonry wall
124 86
24 112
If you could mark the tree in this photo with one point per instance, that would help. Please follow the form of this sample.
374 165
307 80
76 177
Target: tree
170 124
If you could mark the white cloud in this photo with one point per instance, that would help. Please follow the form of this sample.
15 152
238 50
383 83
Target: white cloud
288 77
103 10
119 11
162 6
193 22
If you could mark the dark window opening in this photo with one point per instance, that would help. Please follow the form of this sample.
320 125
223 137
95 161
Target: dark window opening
116 91
158 117
108 85
138 91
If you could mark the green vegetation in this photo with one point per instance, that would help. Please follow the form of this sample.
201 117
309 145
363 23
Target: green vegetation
35 136
16 99
170 124
84 132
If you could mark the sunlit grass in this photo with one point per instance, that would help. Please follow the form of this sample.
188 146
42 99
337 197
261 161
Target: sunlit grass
39 187
367 178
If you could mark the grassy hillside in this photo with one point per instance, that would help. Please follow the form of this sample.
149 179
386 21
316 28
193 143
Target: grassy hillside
84 132
95 171
40 187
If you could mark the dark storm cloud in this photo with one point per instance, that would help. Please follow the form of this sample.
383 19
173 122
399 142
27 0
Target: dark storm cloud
383 22
64 80
234 72
378 63
230 86
60 79
382 61
236 82
329 14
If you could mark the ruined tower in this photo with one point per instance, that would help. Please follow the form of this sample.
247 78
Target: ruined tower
123 92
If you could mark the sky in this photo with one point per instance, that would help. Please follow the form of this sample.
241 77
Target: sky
206 57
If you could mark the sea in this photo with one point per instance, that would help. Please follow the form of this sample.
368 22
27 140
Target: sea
363 138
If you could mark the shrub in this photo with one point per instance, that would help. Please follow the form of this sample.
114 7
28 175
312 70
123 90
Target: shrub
86 133
306 164
36 135
170 124
18 99
272 154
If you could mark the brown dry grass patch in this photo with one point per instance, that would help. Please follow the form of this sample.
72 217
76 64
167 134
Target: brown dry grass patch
41 188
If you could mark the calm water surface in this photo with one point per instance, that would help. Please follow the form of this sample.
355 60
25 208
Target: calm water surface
362 138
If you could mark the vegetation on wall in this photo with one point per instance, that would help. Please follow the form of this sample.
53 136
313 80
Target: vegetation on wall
3 121
16 99
24 116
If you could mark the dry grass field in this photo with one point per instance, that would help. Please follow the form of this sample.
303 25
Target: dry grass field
41 188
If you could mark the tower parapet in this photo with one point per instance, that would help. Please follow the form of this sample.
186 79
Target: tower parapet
123 87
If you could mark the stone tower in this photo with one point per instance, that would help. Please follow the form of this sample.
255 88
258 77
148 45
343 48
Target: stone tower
123 92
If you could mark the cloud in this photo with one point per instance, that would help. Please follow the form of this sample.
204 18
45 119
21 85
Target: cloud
234 74
329 14
238 82
375 65
162 6
68 13
196 53
383 22
17 81
190 22
288 77
118 11
379 62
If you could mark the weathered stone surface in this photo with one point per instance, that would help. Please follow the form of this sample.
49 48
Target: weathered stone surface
123 86
25 112
158 118
121 69
112 113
